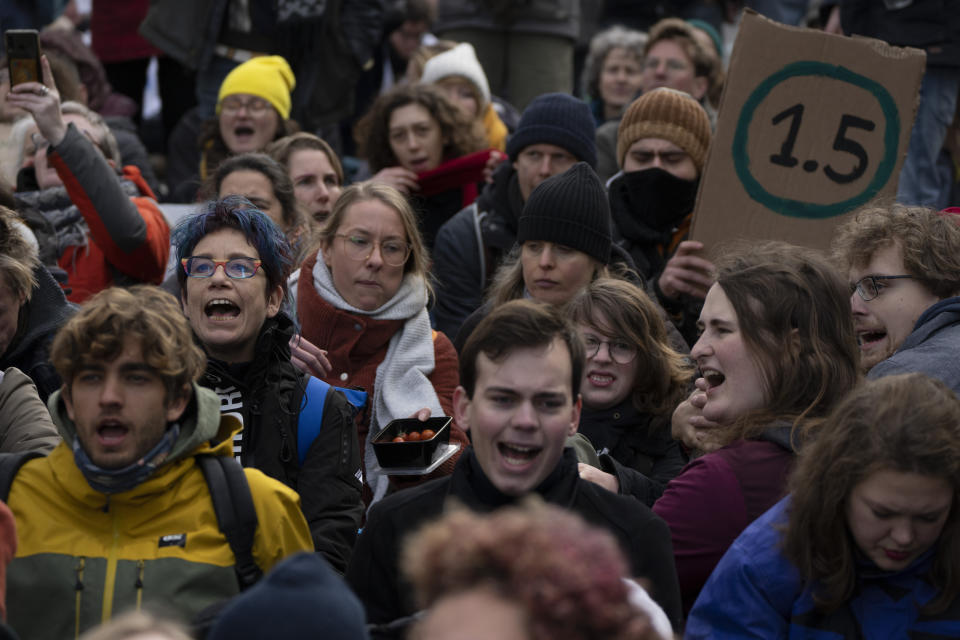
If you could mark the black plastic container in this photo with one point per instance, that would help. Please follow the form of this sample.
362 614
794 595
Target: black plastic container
410 455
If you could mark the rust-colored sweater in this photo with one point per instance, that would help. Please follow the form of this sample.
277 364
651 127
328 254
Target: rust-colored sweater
357 344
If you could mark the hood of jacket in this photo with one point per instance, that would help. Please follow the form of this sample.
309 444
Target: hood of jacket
939 315
46 311
201 430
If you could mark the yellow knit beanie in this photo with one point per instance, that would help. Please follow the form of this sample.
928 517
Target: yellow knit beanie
667 114
267 77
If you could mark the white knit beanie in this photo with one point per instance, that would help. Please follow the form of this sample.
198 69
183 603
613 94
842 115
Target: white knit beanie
459 61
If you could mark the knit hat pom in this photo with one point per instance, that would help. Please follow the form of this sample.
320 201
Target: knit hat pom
670 115
571 209
267 77
459 61
558 119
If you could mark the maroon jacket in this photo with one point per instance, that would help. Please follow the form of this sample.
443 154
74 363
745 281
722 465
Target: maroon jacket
716 496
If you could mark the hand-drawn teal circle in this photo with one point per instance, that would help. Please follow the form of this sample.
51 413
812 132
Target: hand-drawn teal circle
798 208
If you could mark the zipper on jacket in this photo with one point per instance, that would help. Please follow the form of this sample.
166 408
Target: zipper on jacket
138 585
110 580
78 588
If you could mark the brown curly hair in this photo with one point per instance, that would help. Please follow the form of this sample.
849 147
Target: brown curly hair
929 242
908 423
145 312
460 135
567 575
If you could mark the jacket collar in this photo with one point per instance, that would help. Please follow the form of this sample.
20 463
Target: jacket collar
470 484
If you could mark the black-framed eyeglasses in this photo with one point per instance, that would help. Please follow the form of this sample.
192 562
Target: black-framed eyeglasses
867 286
393 252
620 352
238 268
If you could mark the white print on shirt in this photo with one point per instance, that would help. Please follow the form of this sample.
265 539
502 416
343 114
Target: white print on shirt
231 398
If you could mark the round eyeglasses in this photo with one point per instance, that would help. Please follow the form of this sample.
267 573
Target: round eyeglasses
868 288
393 252
620 352
254 106
237 269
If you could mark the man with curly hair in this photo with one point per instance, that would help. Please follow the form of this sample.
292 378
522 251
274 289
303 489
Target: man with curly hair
119 515
903 264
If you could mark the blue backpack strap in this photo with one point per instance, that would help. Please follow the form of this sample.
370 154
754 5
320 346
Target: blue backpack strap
311 414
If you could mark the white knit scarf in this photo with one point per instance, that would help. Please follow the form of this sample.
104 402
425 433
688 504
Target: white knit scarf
401 387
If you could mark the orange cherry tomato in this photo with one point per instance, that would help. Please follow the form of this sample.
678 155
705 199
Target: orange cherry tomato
413 436
426 434
399 439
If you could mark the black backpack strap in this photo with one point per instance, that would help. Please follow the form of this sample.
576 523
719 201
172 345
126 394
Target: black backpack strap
10 464
236 514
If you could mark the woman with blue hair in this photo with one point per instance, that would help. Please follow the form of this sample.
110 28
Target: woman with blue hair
234 263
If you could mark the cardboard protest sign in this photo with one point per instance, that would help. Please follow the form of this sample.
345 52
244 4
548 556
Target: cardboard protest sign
811 126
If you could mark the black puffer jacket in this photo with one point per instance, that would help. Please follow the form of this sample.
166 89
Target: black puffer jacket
625 437
267 395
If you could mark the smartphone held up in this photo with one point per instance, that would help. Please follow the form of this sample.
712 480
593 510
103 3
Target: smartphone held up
23 56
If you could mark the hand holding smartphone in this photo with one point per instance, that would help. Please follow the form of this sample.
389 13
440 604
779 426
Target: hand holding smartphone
23 56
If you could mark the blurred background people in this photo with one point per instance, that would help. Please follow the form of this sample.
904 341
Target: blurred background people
611 78
420 144
252 110
541 34
315 170
458 74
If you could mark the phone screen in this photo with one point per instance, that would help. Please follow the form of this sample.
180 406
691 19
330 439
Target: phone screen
23 55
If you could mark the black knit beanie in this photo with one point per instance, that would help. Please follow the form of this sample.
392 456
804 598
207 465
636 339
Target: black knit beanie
558 119
571 209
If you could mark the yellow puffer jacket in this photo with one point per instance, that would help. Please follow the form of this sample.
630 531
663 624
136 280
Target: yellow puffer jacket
84 556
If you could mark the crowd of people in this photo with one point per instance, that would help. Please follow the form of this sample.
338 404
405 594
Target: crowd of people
363 212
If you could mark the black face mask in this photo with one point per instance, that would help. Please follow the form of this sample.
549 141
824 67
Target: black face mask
655 198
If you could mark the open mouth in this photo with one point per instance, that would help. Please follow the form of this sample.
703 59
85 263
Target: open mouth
243 131
600 379
713 378
221 309
518 455
866 338
111 433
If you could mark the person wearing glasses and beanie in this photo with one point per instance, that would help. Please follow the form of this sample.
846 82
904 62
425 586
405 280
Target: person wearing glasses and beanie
234 262
362 296
903 265
253 110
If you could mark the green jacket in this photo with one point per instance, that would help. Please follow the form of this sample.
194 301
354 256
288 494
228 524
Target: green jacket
84 556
